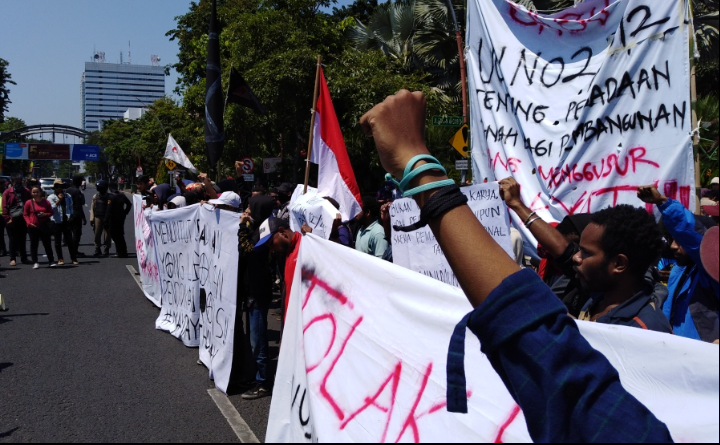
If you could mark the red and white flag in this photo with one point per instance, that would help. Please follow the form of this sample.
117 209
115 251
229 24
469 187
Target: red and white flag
335 177
175 153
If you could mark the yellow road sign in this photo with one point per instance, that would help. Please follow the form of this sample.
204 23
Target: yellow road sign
460 141
170 164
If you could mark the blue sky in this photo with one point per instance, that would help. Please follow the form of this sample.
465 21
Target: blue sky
48 41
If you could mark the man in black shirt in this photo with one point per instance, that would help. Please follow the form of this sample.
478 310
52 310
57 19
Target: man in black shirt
117 210
77 220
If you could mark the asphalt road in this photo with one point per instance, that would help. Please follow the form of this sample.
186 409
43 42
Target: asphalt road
81 361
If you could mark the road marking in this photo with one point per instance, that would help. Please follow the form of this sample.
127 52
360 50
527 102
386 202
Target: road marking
136 276
237 423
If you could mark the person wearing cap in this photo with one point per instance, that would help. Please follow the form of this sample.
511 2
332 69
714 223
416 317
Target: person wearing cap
118 209
78 219
227 201
692 303
63 210
715 184
177 202
98 212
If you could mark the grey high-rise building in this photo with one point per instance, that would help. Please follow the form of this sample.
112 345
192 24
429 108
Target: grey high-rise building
109 89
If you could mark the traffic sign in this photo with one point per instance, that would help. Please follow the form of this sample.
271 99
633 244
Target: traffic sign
248 166
459 141
447 121
461 165
170 164
270 165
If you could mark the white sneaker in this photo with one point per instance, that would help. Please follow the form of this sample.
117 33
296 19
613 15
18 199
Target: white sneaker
53 264
36 266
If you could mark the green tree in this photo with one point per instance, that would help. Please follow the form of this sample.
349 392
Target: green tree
5 80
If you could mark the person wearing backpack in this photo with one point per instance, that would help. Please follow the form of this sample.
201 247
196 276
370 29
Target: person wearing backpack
63 211
38 216
13 202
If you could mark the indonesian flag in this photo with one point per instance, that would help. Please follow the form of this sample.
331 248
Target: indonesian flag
335 178
175 154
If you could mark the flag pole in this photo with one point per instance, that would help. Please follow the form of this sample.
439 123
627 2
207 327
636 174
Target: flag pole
312 123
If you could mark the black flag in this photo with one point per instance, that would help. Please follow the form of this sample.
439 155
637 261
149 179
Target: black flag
239 92
214 134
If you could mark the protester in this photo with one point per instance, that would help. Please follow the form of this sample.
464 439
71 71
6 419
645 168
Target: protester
227 201
13 204
118 209
340 232
258 289
386 221
284 193
98 214
63 211
143 185
371 236
692 305
38 213
276 236
715 184
258 190
163 192
567 390
3 247
177 202
78 220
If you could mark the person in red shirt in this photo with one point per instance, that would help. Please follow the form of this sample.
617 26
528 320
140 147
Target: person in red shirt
37 214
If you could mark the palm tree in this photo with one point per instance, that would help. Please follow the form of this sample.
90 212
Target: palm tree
391 29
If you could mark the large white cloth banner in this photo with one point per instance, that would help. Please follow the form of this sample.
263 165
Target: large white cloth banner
582 106
419 250
364 356
312 209
145 249
197 251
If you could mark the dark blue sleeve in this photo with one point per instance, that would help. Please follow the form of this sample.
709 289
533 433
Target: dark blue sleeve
567 390
344 236
680 222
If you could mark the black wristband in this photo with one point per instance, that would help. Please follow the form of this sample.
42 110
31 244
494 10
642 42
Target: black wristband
444 200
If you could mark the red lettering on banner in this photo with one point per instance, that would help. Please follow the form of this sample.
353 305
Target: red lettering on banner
511 165
534 207
389 385
330 317
506 424
411 420
562 21
573 208
685 196
589 171
372 401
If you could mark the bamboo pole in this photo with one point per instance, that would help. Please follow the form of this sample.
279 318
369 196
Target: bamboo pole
693 102
312 123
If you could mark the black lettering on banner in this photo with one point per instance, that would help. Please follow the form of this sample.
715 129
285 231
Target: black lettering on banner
562 68
522 62
665 76
646 10
494 63
643 78
676 113
582 72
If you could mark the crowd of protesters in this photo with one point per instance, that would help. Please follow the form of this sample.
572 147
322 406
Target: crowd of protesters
616 266
29 212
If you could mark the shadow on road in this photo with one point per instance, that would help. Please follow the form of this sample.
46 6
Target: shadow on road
8 433
5 365
4 318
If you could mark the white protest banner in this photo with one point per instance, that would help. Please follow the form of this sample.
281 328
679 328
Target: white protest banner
419 250
581 106
313 210
175 234
216 260
145 248
365 349
197 249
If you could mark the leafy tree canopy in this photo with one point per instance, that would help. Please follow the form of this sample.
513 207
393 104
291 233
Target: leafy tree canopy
5 80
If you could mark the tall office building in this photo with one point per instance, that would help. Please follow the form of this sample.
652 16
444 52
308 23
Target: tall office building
109 89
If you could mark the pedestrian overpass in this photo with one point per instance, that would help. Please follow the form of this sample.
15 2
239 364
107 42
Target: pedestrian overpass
22 133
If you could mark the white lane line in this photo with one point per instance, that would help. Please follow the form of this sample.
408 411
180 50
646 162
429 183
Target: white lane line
135 275
237 423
